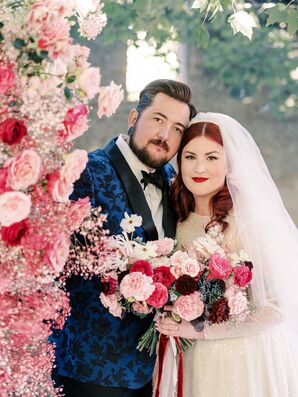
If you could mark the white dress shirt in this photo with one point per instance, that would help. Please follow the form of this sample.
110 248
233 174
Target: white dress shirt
152 193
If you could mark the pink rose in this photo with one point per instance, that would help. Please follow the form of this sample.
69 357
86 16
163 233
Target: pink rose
111 302
143 267
163 275
12 131
137 286
109 99
89 81
14 207
191 267
23 170
140 308
189 307
75 122
238 303
164 246
59 188
57 253
219 267
242 275
12 235
75 163
54 37
42 11
159 296
7 78
3 178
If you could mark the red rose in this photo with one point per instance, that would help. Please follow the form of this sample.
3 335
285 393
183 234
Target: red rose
159 296
163 275
13 234
142 267
242 275
12 131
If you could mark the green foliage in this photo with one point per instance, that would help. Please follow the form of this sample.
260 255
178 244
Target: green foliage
283 13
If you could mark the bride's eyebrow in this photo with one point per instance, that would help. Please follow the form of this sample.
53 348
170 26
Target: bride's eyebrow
214 151
188 152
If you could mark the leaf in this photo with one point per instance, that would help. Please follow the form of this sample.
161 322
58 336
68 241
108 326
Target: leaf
202 37
18 43
68 93
70 79
292 21
33 56
276 14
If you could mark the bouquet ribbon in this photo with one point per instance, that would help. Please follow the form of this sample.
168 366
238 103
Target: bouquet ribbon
168 375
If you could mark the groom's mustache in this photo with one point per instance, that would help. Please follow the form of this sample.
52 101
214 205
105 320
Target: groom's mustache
160 143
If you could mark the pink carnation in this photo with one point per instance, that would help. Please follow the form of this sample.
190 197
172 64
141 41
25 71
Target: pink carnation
23 170
14 207
143 267
89 81
137 286
75 122
189 307
242 275
7 78
159 296
219 267
109 99
164 246
57 253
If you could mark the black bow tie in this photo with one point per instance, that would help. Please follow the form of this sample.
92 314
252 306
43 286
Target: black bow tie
156 178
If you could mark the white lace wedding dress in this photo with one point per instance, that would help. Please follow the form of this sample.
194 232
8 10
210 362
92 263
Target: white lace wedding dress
248 360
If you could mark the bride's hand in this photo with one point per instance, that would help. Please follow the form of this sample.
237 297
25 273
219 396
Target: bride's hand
166 326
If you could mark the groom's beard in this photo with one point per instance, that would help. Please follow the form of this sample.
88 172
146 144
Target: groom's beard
143 154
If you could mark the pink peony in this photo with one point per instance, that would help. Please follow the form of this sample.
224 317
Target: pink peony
14 207
219 267
59 188
57 253
23 170
136 286
89 81
164 246
238 303
143 267
75 122
189 307
7 78
12 131
163 275
159 296
54 37
111 302
109 99
242 275
12 235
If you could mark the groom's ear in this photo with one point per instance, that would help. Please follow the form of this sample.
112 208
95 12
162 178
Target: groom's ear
132 118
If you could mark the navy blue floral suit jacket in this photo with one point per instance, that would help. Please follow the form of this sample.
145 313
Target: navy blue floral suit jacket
94 346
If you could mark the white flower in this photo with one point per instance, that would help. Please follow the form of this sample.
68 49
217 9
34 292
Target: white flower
238 258
83 7
206 246
242 22
200 4
144 251
129 223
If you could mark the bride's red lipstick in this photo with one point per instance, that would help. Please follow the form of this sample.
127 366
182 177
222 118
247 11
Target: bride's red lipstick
200 180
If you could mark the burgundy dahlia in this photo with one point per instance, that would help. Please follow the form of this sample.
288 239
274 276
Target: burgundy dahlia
219 311
186 285
249 265
109 285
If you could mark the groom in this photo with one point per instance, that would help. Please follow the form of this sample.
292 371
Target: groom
96 353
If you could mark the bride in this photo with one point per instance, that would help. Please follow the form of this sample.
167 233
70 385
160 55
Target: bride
223 179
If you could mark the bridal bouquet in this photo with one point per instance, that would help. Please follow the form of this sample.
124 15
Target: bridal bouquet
204 283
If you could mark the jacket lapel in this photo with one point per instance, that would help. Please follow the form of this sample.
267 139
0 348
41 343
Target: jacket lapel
133 189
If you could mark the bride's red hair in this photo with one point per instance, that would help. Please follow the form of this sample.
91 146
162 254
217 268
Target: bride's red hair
182 199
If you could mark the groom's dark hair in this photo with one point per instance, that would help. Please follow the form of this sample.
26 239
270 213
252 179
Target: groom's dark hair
172 88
